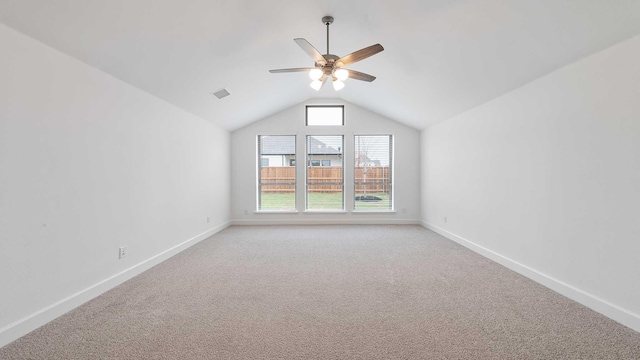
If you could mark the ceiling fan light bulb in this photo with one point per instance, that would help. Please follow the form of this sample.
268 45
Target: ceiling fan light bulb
315 74
338 84
342 74
316 85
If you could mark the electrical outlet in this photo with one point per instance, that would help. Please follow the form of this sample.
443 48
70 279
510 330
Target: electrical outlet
246 212
445 219
208 219
122 253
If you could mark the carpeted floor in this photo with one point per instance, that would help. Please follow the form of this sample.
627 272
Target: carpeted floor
329 292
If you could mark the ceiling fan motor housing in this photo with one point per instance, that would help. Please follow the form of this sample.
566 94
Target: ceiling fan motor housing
330 65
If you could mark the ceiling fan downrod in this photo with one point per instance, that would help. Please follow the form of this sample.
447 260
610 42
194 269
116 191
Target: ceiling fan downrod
327 20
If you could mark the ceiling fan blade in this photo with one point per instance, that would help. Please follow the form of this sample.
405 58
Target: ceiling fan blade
290 70
309 49
357 75
325 80
359 55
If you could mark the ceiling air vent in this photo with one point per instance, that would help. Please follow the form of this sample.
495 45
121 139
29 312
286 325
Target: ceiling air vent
221 93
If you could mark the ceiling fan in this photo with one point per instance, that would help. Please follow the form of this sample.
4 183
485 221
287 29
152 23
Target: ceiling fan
331 66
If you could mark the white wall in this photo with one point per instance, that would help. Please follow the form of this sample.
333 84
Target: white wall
357 121
546 180
89 164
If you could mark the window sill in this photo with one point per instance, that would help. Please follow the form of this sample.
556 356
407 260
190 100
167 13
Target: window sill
374 212
276 212
325 212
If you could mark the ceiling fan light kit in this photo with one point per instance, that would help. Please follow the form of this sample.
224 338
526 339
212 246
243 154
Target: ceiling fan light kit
315 74
329 66
341 74
316 84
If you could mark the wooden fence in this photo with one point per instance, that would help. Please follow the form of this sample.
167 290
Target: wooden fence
279 177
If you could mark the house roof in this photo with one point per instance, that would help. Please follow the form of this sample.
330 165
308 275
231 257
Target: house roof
285 145
441 58
317 147
277 145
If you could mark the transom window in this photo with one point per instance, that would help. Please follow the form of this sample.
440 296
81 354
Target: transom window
325 115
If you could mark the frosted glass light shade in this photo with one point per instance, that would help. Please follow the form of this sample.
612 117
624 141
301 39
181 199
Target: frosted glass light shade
341 74
315 74
316 85
338 84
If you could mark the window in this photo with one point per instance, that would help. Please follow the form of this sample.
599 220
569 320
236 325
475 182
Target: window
373 172
326 162
325 115
325 185
276 173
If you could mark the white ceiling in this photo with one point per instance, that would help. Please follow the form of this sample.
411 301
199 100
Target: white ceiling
441 58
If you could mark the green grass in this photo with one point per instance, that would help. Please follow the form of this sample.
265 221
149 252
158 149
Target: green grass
273 201
320 201
324 201
374 205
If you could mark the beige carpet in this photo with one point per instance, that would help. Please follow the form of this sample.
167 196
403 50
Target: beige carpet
329 292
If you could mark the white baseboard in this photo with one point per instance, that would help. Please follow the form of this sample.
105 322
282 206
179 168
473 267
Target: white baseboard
311 221
27 324
612 311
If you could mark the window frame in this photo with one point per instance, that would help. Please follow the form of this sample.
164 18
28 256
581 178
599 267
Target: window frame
341 154
391 175
259 183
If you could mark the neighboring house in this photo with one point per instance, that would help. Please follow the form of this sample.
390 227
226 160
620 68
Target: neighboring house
362 160
280 151
321 154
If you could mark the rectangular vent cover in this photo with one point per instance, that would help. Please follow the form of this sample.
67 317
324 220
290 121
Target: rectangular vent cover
221 93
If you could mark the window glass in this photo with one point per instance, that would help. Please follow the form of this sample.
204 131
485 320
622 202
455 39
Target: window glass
373 185
325 186
324 115
276 173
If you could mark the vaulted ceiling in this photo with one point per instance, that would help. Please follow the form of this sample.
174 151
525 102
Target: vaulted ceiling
441 57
